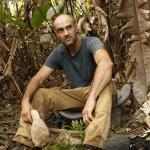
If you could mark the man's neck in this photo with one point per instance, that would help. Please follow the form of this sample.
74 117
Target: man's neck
75 47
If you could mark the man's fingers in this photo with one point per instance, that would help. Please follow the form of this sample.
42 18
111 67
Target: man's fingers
90 117
87 120
27 118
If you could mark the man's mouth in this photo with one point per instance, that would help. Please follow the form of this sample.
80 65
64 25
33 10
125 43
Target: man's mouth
67 39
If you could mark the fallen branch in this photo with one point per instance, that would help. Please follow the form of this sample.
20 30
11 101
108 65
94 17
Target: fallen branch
62 130
52 130
5 46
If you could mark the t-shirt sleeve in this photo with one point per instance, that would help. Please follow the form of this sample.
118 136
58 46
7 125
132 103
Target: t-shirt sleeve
53 60
95 44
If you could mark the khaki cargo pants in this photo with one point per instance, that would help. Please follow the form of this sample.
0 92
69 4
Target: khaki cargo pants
61 99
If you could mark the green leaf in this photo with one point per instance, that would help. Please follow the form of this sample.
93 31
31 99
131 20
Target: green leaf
1 13
45 38
32 51
5 110
38 18
142 118
148 89
15 20
2 128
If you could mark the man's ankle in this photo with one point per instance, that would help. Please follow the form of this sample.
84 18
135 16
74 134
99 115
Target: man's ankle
90 147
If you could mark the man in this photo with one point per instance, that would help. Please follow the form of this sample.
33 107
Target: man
88 68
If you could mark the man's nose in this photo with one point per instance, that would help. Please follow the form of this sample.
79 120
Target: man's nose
66 32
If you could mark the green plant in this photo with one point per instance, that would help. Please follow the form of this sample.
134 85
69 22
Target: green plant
78 126
45 148
110 134
15 125
63 145
124 121
123 131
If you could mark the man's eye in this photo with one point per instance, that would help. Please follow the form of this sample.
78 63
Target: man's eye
60 30
69 27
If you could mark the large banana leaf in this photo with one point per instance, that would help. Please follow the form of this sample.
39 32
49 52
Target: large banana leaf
139 25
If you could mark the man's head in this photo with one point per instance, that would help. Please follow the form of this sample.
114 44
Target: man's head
65 29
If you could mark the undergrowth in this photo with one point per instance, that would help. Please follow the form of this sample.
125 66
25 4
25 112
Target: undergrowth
65 143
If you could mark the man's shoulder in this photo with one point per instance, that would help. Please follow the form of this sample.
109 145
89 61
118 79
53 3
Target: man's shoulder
88 40
60 49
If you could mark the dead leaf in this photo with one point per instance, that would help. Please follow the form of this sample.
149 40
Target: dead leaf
99 3
83 26
102 21
140 50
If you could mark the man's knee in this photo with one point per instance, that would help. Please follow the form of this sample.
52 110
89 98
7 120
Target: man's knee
38 97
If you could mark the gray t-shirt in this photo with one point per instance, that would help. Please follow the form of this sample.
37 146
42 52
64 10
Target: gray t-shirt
79 68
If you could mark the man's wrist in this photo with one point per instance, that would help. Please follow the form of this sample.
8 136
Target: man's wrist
91 97
26 100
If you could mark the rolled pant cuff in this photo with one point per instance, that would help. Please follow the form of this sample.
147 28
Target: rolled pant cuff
23 140
93 143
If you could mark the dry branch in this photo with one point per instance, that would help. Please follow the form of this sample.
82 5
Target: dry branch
7 77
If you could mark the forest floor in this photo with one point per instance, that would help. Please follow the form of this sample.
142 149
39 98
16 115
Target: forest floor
10 110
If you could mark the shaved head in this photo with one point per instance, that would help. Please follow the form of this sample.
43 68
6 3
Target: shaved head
66 29
62 16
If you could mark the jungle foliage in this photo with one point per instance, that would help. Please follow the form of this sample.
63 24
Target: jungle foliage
27 38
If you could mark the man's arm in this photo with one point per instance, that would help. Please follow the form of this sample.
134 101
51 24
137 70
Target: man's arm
33 85
102 77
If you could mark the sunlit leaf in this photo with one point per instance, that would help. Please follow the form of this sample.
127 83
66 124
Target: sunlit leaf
88 5
38 18
45 38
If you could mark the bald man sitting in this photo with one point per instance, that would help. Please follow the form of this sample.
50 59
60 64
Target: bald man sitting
88 68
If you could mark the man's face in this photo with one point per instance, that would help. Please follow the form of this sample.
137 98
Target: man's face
65 30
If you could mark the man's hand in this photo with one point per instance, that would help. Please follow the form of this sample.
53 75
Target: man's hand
88 110
26 111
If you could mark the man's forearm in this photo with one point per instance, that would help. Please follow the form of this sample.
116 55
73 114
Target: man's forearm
31 89
102 77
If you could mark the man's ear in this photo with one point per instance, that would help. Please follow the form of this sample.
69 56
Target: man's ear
76 26
55 33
